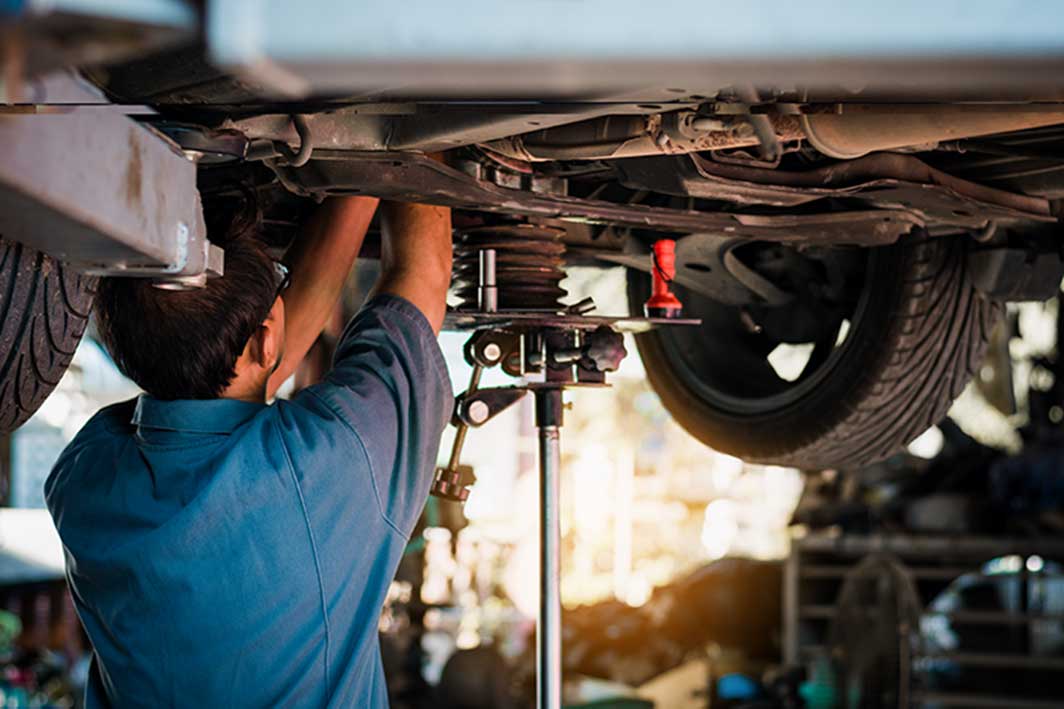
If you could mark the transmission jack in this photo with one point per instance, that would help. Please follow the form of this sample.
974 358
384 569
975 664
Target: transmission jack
522 327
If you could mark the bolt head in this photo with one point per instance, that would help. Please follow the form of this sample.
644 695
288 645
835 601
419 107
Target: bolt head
477 412
492 352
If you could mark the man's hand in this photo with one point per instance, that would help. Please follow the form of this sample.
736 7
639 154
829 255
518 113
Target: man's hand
416 257
319 263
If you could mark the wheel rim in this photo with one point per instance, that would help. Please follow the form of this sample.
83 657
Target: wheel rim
729 369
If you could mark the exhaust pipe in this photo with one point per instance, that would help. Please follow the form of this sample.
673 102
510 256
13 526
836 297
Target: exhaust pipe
615 137
853 131
857 130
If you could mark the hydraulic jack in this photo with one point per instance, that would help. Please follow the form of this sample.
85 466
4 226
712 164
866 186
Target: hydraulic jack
548 350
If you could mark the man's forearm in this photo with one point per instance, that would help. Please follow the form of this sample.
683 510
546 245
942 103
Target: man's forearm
416 257
319 263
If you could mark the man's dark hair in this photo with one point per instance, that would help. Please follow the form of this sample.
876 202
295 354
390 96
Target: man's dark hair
184 344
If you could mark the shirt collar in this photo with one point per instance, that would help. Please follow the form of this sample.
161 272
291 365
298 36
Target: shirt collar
193 415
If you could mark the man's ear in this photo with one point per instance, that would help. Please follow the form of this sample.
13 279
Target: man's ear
270 336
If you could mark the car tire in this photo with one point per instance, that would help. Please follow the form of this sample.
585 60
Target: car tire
46 309
919 340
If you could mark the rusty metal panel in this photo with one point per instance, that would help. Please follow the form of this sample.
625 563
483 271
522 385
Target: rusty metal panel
101 192
417 178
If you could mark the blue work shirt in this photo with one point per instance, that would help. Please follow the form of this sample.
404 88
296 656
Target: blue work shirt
223 553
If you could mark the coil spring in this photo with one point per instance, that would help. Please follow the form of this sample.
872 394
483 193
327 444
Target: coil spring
528 265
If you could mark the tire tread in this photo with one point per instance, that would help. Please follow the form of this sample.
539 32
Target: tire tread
46 309
937 334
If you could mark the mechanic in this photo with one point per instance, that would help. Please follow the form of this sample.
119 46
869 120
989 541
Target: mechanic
225 551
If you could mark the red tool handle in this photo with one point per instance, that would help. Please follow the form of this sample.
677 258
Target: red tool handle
663 303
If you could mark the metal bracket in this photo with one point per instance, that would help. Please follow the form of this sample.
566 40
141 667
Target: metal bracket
481 406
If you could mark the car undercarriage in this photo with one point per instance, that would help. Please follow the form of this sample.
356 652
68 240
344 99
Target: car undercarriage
864 217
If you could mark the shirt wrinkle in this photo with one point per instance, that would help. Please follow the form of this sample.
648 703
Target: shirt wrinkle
313 549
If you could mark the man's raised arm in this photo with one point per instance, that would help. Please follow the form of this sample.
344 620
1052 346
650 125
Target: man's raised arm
319 263
416 257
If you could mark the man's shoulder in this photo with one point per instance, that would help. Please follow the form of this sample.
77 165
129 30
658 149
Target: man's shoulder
310 422
111 423
110 426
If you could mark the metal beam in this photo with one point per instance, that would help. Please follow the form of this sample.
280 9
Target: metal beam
103 193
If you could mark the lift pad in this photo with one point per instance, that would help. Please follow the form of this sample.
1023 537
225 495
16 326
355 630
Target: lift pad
102 192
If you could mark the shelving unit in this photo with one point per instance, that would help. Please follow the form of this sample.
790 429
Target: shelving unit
819 562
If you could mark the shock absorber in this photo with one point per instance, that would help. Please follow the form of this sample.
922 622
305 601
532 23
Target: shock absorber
529 266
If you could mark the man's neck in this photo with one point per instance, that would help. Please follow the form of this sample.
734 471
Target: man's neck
242 389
